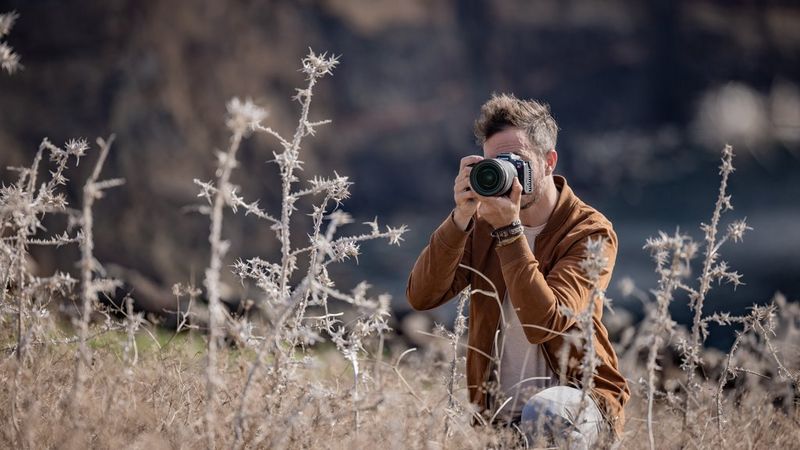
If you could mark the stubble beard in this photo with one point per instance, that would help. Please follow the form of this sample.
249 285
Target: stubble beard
534 199
529 200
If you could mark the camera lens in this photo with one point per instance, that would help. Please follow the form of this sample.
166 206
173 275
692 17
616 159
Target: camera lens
487 177
492 177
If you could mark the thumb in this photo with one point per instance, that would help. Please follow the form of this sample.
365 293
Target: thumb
516 191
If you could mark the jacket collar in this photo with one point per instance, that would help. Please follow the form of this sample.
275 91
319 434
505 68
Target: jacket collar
566 199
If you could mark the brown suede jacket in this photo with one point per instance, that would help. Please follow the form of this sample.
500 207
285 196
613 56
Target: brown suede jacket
539 284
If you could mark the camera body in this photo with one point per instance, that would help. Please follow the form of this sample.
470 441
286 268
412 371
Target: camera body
493 177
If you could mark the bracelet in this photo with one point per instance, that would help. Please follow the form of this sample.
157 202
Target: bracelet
514 229
507 241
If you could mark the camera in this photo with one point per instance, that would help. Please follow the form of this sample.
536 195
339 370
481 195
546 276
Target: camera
494 177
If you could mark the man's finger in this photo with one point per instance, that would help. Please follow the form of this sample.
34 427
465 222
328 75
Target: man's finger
516 191
464 174
466 195
462 185
493 203
471 159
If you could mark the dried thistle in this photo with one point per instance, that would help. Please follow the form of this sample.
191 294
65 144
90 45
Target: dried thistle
22 210
459 328
242 117
9 60
711 271
92 190
282 305
672 255
593 264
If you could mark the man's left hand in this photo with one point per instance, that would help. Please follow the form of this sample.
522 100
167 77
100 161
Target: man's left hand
502 211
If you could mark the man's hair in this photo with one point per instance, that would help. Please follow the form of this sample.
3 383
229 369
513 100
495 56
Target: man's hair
505 111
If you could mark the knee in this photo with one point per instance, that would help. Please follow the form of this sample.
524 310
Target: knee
540 421
538 408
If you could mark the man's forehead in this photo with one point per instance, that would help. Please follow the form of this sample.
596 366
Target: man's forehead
510 140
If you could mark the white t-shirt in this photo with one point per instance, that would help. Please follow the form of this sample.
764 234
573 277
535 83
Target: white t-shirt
520 360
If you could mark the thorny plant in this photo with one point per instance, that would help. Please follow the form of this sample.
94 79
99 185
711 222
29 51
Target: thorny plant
593 264
22 211
9 60
673 256
23 208
183 315
90 285
284 307
760 321
454 337
712 271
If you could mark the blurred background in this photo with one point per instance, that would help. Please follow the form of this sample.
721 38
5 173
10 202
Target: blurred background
645 93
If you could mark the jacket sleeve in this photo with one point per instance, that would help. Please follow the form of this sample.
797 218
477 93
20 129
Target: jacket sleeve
436 277
537 298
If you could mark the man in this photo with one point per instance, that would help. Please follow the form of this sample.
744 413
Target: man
536 274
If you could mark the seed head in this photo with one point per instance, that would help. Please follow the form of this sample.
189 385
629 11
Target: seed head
7 22
244 116
737 229
317 66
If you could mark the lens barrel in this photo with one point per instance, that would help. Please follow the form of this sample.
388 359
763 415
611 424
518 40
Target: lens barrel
492 177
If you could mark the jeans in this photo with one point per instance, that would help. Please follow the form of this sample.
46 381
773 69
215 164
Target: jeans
555 414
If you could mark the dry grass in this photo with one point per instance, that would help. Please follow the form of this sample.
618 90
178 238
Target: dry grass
160 403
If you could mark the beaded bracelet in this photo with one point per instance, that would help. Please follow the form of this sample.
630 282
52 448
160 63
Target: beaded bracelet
514 229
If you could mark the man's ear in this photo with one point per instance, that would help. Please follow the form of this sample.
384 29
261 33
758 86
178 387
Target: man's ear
551 159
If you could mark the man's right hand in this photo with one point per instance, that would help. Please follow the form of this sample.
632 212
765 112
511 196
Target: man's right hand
466 200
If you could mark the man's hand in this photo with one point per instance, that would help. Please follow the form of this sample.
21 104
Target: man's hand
501 211
466 200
